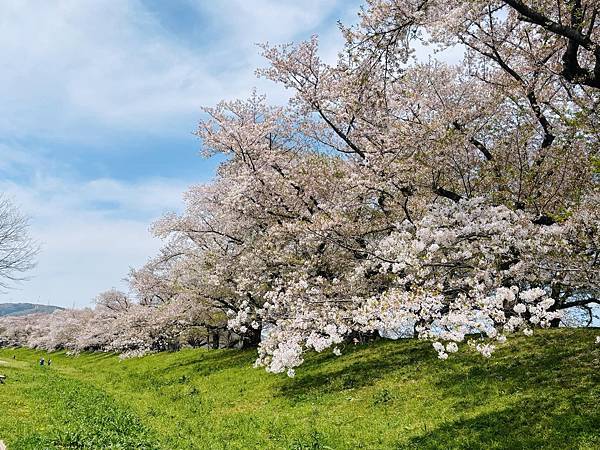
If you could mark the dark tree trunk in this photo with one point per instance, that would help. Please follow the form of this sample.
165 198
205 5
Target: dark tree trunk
251 339
554 323
215 339
359 337
418 323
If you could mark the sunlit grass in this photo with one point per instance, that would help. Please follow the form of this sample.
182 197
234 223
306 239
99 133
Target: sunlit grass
541 392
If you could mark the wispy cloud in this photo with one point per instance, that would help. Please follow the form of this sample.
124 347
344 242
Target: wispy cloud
90 231
94 63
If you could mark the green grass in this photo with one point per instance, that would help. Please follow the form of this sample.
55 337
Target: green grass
540 392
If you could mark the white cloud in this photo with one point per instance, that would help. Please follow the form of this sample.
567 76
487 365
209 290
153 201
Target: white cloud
78 62
250 22
283 21
90 231
74 65
83 256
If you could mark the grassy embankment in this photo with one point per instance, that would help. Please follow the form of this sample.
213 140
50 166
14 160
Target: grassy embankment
542 392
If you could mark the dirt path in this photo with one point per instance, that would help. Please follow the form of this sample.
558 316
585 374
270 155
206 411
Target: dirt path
2 446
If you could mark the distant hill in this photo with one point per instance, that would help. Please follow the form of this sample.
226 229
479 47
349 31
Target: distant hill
22 309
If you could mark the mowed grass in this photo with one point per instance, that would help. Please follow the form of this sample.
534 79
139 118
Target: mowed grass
540 392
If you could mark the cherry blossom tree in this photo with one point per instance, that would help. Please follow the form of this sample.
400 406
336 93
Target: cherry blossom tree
113 300
506 136
392 195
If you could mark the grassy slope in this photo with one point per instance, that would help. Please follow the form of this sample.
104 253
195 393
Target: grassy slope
541 392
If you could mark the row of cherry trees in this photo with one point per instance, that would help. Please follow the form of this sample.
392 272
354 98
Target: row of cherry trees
118 324
460 202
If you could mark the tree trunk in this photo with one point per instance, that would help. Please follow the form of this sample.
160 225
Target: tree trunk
251 339
215 339
358 337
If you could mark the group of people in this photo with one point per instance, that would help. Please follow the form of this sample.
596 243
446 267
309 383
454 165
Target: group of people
43 361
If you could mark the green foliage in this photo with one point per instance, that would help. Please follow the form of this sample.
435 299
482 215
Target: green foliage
596 165
540 392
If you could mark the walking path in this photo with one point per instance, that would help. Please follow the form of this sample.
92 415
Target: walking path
2 446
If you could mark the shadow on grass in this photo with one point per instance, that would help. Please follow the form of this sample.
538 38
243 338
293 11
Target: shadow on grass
530 423
358 367
554 360
560 363
89 357
211 362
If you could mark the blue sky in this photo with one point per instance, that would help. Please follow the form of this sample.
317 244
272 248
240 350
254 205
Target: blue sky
98 102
